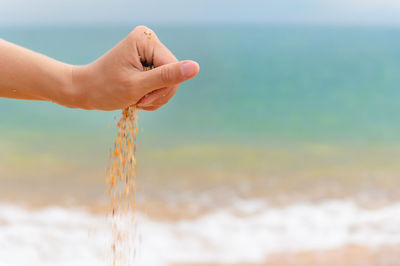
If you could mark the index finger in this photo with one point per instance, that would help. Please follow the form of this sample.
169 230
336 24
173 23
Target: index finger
162 55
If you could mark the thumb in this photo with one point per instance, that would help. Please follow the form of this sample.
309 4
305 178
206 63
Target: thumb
168 75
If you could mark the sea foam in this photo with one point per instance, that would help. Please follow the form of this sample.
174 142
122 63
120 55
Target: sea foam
247 231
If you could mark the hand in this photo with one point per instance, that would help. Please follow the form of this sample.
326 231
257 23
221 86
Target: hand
117 79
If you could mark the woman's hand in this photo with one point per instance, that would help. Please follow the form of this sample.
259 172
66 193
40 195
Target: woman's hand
117 79
114 81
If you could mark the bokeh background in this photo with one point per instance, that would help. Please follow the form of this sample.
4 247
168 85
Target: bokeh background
284 150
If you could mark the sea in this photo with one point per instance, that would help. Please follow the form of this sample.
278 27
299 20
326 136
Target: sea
286 143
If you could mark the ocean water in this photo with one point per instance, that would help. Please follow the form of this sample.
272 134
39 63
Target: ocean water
287 140
283 105
257 83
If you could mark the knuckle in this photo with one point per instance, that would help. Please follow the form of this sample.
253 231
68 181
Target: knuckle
170 75
138 31
140 28
140 34
166 74
132 36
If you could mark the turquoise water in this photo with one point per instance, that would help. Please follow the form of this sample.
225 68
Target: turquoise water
261 91
257 84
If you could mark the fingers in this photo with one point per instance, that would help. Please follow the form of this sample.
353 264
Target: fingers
152 96
150 48
162 55
161 83
167 75
157 98
150 108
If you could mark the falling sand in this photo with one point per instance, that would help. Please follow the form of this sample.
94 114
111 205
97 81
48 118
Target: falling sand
122 189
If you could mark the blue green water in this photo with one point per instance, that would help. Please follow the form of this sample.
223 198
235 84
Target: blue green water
257 85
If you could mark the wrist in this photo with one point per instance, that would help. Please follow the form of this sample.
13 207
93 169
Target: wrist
74 95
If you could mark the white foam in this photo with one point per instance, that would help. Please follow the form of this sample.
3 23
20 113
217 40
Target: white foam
58 237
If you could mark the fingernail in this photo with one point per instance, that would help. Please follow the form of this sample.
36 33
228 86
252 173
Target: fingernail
189 69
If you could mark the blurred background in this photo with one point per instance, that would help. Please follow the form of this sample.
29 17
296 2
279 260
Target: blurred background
284 150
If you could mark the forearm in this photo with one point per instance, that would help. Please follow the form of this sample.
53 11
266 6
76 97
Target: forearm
25 74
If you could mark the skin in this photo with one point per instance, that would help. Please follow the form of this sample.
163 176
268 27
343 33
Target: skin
114 81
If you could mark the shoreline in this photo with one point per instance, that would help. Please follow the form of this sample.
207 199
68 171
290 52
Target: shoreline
351 255
330 234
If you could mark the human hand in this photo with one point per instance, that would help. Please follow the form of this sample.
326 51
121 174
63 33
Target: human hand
117 79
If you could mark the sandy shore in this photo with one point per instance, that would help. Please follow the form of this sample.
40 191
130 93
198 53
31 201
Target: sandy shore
346 256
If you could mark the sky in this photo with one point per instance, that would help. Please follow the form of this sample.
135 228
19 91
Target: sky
50 12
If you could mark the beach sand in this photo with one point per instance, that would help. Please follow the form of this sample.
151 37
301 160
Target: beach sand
344 256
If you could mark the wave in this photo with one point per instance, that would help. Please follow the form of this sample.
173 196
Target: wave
248 231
